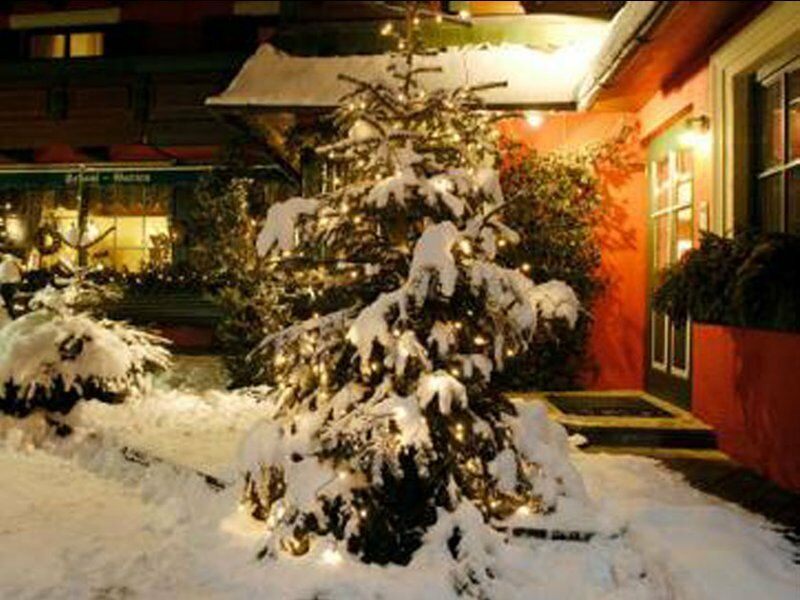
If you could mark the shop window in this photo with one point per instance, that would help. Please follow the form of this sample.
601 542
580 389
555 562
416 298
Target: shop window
86 44
777 124
49 45
77 44
136 217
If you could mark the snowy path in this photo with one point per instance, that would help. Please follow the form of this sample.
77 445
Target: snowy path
65 531
94 527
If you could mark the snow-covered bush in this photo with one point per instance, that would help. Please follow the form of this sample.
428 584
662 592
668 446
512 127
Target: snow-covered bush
57 354
385 415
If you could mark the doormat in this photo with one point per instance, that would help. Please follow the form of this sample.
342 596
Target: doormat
589 405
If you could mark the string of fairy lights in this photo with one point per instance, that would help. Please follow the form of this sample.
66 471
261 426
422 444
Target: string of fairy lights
312 360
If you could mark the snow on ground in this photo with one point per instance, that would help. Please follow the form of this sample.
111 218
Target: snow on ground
78 521
187 418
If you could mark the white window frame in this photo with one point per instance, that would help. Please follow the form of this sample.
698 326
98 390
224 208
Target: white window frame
669 212
773 33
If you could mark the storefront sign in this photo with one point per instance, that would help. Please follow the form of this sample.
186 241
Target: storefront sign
58 178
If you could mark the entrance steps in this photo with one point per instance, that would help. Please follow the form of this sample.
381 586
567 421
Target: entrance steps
629 421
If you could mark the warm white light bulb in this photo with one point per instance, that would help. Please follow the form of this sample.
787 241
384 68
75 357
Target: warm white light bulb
534 118
331 557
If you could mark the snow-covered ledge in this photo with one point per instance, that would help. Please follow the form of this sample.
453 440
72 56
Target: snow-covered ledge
274 81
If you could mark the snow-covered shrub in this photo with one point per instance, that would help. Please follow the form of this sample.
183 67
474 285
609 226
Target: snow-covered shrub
749 280
55 355
556 203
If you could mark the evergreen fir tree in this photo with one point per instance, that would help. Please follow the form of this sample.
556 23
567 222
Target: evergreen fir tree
228 202
385 425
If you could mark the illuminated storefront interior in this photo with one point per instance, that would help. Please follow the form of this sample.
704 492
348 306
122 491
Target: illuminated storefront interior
134 223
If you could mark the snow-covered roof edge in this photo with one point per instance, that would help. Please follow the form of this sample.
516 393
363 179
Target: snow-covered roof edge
271 79
626 32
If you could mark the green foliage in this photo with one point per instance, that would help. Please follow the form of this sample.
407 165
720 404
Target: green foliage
749 280
555 205
228 204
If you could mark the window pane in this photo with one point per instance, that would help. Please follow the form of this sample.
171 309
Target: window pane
48 46
684 193
794 130
64 220
769 207
662 181
130 232
662 253
658 324
103 251
129 260
683 232
771 122
679 346
793 86
154 227
685 159
793 199
86 44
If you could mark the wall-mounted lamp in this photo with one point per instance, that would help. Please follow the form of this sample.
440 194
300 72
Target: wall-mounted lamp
697 133
534 118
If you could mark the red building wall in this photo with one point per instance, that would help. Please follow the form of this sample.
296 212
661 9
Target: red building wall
745 382
617 342
747 385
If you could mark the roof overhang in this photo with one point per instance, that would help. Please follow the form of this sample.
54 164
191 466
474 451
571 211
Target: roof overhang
535 79
652 46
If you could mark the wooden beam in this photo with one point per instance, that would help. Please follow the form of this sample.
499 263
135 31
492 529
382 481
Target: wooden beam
22 155
99 153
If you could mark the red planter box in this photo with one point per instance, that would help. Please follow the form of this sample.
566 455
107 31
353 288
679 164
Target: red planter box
747 386
187 338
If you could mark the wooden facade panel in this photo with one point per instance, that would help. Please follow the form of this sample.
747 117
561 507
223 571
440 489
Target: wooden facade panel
36 133
184 98
95 100
187 133
121 108
21 103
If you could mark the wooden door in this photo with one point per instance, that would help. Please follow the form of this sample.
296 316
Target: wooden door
671 226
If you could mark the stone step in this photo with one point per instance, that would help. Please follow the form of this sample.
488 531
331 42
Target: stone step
627 419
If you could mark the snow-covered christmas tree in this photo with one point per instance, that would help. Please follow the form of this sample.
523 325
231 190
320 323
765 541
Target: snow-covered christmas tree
386 431
63 351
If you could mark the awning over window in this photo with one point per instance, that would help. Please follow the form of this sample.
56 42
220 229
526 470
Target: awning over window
272 80
38 177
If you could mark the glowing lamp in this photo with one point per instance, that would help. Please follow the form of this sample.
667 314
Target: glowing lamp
534 118
697 134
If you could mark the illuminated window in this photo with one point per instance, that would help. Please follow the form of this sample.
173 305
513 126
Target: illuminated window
49 46
777 206
86 44
138 217
67 45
